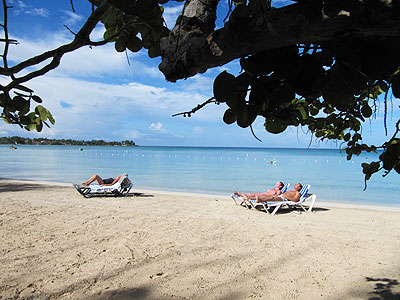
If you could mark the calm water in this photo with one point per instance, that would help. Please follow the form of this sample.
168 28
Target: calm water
206 170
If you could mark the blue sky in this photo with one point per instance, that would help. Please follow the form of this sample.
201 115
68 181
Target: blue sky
96 94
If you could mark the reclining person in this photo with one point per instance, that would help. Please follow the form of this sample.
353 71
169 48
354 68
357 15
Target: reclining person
108 181
275 191
293 195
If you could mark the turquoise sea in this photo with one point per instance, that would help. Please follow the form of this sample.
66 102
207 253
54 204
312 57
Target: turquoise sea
206 169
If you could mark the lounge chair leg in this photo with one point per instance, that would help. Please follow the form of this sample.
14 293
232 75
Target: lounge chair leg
313 197
252 206
276 209
301 205
128 190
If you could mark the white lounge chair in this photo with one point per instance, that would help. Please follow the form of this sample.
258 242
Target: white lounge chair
305 196
238 199
120 188
251 203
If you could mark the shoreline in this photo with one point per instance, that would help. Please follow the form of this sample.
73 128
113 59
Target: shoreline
328 204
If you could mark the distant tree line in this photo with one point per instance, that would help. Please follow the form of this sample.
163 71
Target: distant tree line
45 141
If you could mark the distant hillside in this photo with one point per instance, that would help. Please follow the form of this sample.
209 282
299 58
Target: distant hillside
44 141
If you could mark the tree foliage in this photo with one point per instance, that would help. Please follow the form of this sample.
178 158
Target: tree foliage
45 141
322 65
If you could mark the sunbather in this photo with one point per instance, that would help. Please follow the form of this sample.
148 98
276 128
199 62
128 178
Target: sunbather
293 195
108 181
275 191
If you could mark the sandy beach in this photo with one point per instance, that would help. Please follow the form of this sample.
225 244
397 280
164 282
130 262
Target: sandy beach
55 244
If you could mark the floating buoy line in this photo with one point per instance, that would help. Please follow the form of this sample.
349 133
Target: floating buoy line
126 154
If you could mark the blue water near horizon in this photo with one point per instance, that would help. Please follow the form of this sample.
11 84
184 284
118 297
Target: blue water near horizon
211 170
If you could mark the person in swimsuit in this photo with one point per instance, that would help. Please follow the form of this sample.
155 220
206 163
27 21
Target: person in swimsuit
293 195
108 181
275 191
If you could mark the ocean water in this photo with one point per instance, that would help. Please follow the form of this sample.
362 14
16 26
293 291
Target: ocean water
206 169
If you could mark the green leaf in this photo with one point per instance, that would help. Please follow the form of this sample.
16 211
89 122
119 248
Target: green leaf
154 51
25 108
314 111
50 117
18 102
110 32
347 137
134 44
25 120
275 125
303 112
42 112
383 86
229 116
366 111
223 87
37 99
30 127
39 127
120 44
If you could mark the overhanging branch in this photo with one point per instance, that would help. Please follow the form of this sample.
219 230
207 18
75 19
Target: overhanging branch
81 39
306 22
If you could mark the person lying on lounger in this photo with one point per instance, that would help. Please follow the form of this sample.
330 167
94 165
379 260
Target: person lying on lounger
293 195
275 191
108 181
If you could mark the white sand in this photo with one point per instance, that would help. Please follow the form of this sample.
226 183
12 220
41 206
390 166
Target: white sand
55 244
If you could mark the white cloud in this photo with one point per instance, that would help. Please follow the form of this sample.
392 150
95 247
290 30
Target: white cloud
19 4
200 83
72 18
82 108
19 7
171 13
156 127
84 62
43 12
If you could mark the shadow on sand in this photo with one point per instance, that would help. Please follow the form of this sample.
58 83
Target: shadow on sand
296 210
384 289
21 186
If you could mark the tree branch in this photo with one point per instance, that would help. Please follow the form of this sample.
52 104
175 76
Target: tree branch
195 23
198 107
81 39
249 33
